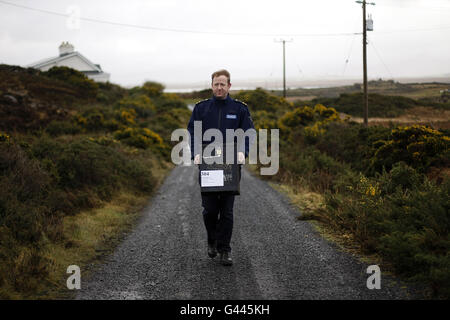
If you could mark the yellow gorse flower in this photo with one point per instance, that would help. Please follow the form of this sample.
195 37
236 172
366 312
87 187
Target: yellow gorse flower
371 191
4 137
128 115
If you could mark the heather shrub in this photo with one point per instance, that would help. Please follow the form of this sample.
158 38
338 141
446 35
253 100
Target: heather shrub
75 78
381 105
56 128
168 102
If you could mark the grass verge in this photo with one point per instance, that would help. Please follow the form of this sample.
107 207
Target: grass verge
310 204
92 235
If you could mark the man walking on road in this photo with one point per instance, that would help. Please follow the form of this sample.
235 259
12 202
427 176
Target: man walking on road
220 112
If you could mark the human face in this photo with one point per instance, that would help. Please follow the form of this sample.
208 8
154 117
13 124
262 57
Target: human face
220 87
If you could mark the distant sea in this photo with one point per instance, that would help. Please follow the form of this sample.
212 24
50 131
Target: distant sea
294 84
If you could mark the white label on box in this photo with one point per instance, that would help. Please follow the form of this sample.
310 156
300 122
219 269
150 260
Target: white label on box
211 178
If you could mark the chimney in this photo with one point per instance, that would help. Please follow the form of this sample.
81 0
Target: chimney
65 48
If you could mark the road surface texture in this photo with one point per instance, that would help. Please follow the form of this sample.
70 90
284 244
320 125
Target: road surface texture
275 255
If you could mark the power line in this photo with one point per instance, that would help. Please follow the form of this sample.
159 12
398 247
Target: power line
153 28
348 56
379 57
351 46
179 30
439 9
415 30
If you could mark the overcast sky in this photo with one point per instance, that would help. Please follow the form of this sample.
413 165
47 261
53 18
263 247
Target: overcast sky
411 38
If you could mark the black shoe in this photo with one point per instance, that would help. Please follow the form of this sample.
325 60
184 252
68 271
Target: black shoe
225 259
212 251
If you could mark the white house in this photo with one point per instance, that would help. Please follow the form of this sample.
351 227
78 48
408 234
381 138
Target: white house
75 60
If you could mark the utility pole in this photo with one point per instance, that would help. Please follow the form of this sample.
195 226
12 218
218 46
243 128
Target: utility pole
284 64
366 95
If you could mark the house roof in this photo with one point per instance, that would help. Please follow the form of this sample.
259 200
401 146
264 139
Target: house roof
42 63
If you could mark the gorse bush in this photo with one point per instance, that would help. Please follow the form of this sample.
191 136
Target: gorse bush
401 176
4 137
92 119
402 216
128 116
129 119
95 163
307 115
109 93
141 104
264 120
140 138
166 122
153 89
418 146
150 89
297 117
313 122
259 100
169 102
352 144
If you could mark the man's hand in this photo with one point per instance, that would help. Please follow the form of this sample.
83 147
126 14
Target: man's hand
241 158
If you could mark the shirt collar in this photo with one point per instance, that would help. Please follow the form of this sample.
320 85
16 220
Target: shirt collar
226 100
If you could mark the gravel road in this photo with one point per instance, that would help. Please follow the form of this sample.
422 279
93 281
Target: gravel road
275 255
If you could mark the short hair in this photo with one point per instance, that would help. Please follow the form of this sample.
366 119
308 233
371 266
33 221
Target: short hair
222 72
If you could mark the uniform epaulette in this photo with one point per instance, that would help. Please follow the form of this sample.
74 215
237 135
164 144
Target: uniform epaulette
201 101
241 102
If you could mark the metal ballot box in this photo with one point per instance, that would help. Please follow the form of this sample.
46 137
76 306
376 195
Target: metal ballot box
219 177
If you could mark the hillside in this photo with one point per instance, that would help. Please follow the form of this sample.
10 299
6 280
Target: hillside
384 87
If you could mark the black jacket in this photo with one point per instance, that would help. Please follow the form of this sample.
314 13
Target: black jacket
221 114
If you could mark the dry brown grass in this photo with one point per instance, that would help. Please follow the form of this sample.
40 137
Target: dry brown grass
312 206
437 119
300 98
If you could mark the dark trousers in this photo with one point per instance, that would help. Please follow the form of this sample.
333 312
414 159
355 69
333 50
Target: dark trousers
218 218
